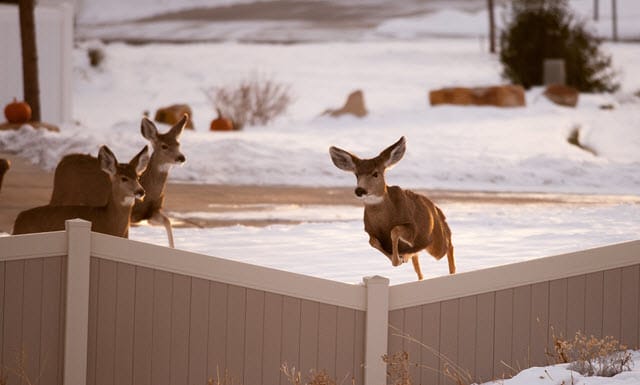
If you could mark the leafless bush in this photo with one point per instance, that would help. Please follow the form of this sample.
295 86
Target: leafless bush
224 379
315 377
398 368
255 100
591 356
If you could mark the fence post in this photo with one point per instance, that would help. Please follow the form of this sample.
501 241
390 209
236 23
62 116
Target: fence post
376 330
77 297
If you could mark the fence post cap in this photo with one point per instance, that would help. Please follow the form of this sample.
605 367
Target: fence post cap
376 280
77 223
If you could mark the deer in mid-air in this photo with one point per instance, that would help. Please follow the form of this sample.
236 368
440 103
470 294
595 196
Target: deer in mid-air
400 223
74 181
113 218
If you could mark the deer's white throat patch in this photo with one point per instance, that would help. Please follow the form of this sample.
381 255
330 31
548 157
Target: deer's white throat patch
128 201
165 167
372 199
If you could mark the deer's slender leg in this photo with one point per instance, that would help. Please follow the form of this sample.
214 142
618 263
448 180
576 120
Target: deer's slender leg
416 266
399 233
452 263
160 218
375 243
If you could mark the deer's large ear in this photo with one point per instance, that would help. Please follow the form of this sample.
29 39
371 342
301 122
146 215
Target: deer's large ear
392 154
107 161
140 161
148 129
176 130
343 159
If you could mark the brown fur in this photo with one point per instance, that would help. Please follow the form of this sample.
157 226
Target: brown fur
78 176
113 218
400 223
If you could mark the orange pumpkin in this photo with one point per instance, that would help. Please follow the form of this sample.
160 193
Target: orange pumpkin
17 112
221 124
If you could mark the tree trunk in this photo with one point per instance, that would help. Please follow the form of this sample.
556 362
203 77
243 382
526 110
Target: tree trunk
492 27
614 20
31 86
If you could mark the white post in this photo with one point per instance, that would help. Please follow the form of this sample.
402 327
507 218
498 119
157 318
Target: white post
77 311
376 330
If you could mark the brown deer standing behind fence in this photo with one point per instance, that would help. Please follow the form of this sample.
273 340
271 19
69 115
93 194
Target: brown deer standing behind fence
113 218
74 181
400 223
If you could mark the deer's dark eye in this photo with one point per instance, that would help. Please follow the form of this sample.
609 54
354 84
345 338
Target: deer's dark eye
375 174
124 179
164 147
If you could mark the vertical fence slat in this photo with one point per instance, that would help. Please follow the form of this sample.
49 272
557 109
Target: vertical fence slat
180 329
92 349
198 331
161 328
575 304
449 316
557 309
539 323
396 326
218 314
236 313
309 336
467 335
431 339
106 326
358 354
327 334
291 333
594 290
413 328
143 327
503 333
254 329
611 308
50 361
12 349
520 346
32 316
272 338
345 345
629 306
125 308
484 340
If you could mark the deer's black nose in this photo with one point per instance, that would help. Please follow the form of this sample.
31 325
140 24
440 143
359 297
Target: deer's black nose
139 194
180 158
360 191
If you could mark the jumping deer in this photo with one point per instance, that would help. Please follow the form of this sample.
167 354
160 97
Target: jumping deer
400 223
74 181
113 218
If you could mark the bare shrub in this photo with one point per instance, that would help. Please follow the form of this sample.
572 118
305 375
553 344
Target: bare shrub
224 379
591 356
315 377
399 369
254 100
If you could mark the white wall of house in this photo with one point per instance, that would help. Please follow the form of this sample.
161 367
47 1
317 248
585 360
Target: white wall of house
54 40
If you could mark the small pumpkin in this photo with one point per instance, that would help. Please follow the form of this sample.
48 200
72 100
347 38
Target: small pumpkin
221 123
17 112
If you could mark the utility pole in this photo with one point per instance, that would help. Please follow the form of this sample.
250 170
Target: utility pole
31 85
614 20
492 28
595 10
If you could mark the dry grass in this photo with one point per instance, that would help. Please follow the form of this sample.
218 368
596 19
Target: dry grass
400 364
255 100
591 356
315 377
225 379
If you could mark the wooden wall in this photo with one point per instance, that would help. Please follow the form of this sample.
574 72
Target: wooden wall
32 319
148 326
490 334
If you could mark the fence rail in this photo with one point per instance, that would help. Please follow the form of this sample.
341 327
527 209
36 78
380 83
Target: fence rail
90 308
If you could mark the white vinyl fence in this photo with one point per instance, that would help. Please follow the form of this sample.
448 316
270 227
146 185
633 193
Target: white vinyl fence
81 307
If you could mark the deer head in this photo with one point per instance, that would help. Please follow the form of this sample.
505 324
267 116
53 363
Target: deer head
166 148
371 185
125 186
